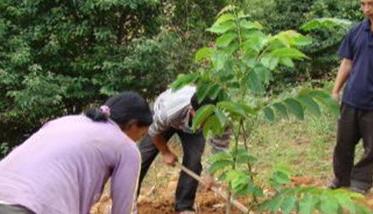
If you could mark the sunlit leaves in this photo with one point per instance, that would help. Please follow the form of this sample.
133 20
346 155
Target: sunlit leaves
225 39
326 23
201 115
221 28
290 53
203 53
184 79
280 176
307 100
307 200
290 38
224 18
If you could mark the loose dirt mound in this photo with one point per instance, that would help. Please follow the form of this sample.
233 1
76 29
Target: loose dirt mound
207 202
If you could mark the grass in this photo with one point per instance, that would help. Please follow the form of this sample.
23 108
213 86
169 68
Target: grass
305 147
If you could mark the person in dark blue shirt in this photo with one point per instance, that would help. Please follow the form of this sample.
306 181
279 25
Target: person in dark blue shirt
356 120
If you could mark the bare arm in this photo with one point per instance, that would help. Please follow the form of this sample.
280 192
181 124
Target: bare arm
161 143
343 74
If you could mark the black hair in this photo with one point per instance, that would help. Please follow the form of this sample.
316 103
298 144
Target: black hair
196 104
124 107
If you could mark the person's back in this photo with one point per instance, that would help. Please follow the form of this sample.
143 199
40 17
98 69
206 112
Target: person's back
81 154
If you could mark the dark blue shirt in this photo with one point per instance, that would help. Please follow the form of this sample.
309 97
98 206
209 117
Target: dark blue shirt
358 47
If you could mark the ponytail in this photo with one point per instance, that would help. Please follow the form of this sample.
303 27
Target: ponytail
123 108
99 114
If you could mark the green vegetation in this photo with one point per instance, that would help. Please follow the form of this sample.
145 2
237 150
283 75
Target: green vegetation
238 70
268 69
57 57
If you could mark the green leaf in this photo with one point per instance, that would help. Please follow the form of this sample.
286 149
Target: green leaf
287 62
295 107
291 53
301 40
310 105
281 108
263 73
220 28
232 108
225 39
345 201
307 204
326 23
225 17
328 204
248 109
273 204
280 178
221 116
255 190
212 125
220 156
254 41
201 115
228 8
240 184
269 114
219 59
220 165
288 204
214 91
326 100
184 79
204 53
254 83
270 61
250 25
202 91
243 156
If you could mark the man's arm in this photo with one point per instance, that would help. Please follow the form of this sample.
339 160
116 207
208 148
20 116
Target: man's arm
343 74
168 156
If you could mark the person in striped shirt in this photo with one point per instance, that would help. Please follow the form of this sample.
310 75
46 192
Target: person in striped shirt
173 113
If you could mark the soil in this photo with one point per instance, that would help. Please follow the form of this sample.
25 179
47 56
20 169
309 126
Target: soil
207 202
161 201
158 189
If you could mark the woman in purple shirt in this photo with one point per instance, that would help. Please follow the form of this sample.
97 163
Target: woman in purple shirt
62 168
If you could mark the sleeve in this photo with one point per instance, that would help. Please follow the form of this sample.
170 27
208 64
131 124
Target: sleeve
346 48
160 124
124 182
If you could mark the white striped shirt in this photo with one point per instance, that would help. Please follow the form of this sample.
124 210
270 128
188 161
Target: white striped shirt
171 110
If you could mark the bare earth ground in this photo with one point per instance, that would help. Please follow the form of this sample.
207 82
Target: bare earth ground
157 194
161 201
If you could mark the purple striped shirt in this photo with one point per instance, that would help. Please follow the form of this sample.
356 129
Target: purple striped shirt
62 168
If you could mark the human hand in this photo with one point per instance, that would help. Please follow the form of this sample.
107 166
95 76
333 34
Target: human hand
169 158
209 181
335 96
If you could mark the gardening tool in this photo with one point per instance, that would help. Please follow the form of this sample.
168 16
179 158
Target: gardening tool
234 202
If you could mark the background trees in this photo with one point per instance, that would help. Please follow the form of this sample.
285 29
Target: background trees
57 57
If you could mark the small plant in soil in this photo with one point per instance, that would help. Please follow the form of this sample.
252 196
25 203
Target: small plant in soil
237 69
